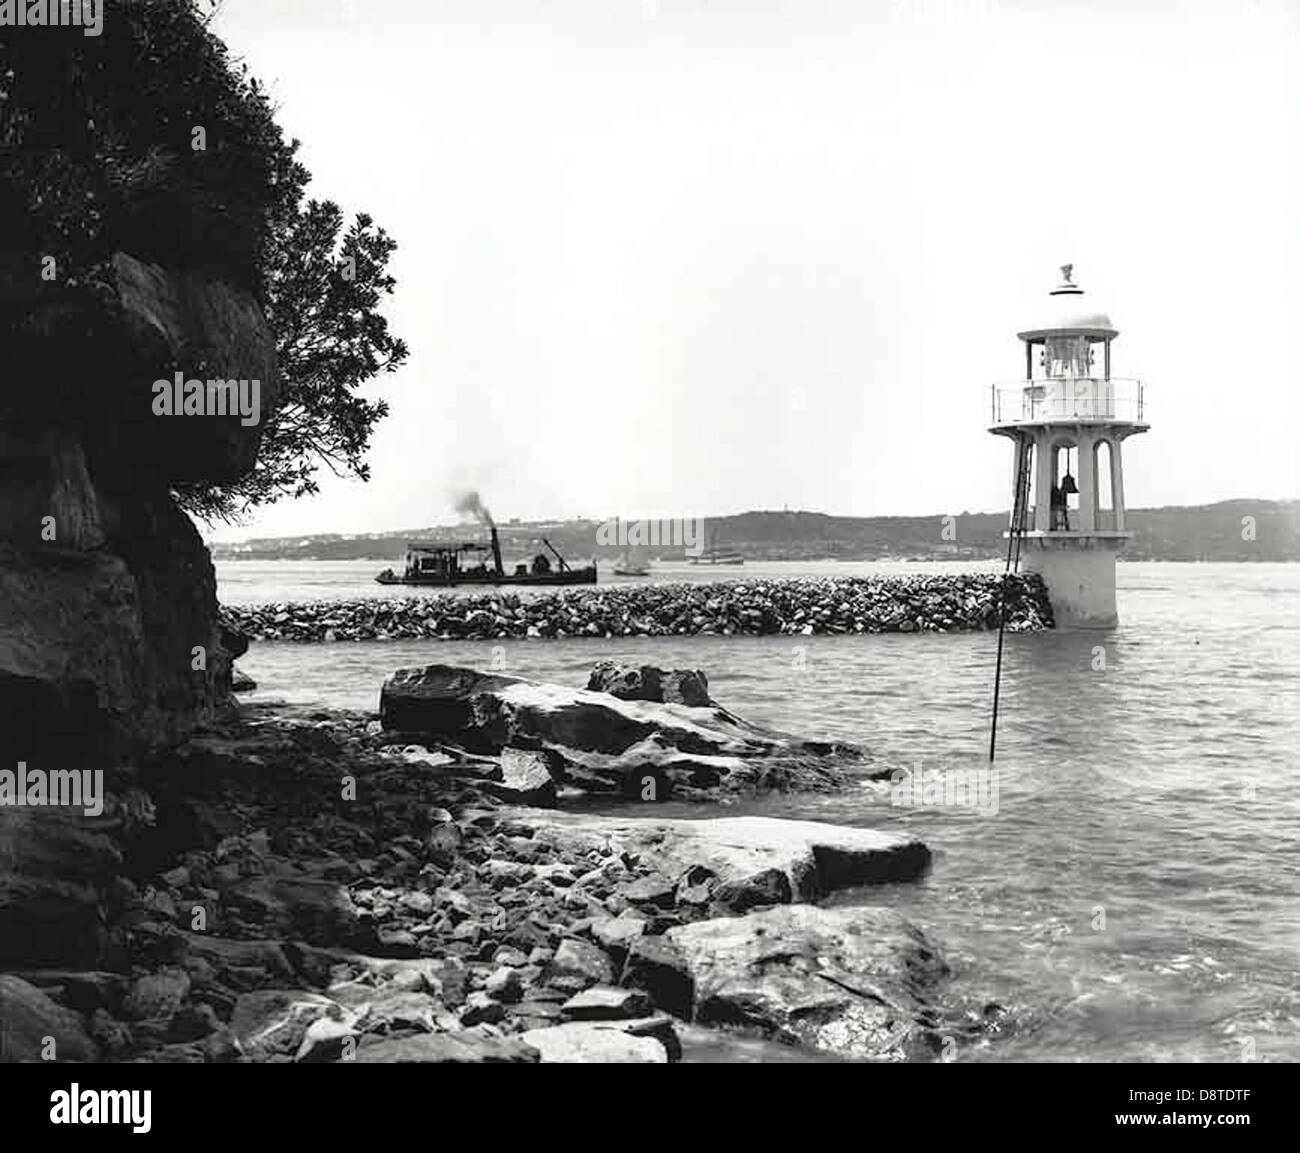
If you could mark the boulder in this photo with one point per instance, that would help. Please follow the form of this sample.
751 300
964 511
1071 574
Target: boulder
481 1008
389 1007
442 700
858 982
648 683
504 984
320 912
266 959
581 963
157 995
275 1021
528 777
72 657
241 682
615 934
85 992
657 967
655 889
422 975
327 1040
35 1028
54 867
646 749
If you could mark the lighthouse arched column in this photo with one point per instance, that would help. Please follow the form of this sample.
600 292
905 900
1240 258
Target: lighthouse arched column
1117 481
1019 442
1044 463
1087 483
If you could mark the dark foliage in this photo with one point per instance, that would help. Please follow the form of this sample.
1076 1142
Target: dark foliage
97 155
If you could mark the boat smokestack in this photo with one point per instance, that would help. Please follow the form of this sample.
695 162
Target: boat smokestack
470 502
496 552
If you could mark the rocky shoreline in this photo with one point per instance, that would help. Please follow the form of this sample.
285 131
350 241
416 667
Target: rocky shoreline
323 889
809 606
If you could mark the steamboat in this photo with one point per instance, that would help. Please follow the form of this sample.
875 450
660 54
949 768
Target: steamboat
439 564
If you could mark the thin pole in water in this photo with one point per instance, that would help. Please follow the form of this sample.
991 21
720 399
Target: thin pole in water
1013 540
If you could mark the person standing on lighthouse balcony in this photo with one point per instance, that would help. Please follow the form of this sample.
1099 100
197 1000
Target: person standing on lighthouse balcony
1060 513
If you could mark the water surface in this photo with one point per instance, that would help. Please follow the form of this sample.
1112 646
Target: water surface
1136 895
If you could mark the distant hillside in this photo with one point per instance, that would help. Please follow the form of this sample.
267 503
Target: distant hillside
1175 533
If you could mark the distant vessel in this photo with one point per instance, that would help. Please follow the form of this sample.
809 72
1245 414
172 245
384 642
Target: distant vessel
435 564
631 564
708 557
715 555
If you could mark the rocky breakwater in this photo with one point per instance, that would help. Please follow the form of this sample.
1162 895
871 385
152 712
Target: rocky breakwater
640 732
110 642
811 606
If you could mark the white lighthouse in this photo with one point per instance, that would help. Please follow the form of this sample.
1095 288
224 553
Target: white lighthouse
1069 419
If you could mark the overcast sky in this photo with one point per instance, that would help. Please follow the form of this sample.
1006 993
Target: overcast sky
695 257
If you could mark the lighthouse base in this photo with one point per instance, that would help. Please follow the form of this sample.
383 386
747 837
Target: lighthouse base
1078 569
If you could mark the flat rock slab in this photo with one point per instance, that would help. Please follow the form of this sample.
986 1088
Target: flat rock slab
853 981
447 1048
601 1042
606 1003
754 860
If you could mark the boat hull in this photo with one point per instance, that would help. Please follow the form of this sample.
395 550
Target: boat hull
577 576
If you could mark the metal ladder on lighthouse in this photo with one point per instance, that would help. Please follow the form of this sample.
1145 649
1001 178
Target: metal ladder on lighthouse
1019 511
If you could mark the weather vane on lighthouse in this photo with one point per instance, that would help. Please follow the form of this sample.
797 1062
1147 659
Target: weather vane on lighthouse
1068 420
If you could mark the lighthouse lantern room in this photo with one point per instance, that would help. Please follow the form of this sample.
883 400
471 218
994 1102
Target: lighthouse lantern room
1068 419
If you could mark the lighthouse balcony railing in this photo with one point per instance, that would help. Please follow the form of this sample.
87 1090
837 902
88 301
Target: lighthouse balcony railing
1069 398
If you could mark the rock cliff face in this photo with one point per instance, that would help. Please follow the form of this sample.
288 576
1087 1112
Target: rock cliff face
110 643
106 588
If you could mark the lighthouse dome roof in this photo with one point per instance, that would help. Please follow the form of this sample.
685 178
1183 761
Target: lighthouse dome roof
1066 310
